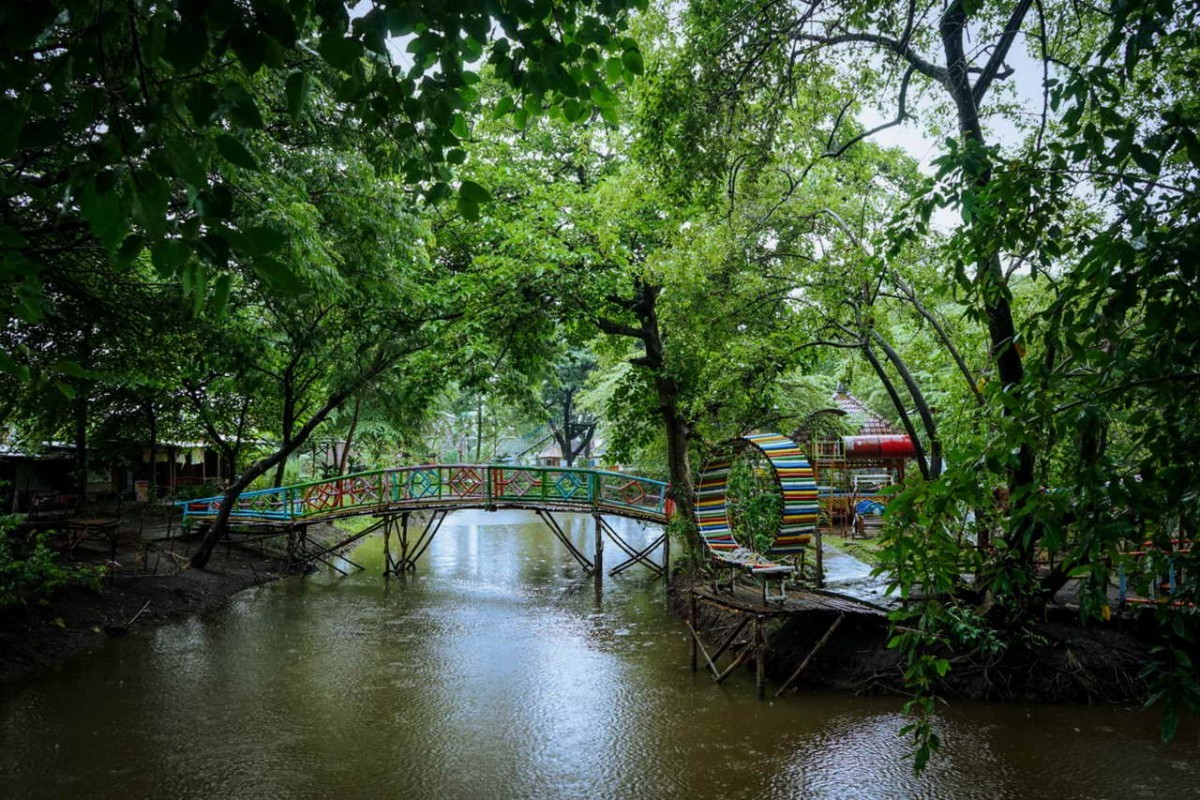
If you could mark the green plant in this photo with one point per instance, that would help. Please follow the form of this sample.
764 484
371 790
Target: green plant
754 503
33 572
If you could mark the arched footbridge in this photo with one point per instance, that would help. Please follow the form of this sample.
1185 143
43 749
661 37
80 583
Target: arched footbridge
436 490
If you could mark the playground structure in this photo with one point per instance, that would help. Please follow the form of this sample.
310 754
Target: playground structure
853 471
797 520
394 495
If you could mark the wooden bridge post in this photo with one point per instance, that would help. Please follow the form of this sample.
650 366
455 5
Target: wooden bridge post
598 559
692 627
760 658
819 561
666 559
403 563
387 553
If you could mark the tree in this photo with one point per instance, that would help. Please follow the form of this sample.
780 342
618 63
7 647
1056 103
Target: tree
135 126
571 427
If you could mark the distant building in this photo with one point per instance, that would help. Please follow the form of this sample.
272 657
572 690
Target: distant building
855 464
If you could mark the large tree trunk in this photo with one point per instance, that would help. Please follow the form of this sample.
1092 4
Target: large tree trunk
678 432
683 488
989 273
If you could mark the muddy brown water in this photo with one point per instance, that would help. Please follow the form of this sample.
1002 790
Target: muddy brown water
501 671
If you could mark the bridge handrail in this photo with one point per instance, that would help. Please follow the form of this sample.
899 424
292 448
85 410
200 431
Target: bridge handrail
479 484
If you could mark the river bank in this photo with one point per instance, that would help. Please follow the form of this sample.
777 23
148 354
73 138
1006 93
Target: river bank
139 591
1055 660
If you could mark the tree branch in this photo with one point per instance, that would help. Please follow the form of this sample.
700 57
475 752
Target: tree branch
992 68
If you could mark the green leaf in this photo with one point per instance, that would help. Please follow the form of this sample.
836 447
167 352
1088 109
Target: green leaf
199 286
7 364
151 196
130 249
12 119
473 192
260 240
202 102
104 214
276 21
1146 161
186 45
1192 143
438 192
168 256
339 51
278 275
220 296
11 237
243 110
187 163
632 59
236 153
573 110
506 105
614 69
469 209
250 47
298 84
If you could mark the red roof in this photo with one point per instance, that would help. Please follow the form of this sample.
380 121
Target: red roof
866 421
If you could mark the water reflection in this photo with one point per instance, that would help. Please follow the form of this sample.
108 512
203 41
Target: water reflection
500 670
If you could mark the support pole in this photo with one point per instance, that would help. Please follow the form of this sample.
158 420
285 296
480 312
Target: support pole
819 558
808 659
760 665
666 559
403 563
598 560
692 626
387 552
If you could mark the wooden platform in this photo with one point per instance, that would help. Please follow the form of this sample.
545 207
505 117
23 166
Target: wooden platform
747 639
747 600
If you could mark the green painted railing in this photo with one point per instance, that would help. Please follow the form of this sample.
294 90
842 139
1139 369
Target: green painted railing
447 486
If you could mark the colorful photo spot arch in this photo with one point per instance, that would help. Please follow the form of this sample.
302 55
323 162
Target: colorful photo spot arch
797 487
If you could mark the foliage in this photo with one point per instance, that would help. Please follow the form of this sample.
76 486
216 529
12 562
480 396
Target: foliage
754 502
32 571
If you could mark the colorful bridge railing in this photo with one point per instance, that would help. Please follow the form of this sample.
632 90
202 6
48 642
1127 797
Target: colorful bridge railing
448 486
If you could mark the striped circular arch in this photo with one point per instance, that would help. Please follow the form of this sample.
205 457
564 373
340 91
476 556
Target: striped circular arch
797 487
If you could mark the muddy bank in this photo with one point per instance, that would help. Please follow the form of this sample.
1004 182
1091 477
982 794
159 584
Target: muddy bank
141 590
1053 661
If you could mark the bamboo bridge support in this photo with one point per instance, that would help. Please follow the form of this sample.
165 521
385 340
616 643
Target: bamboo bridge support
405 562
